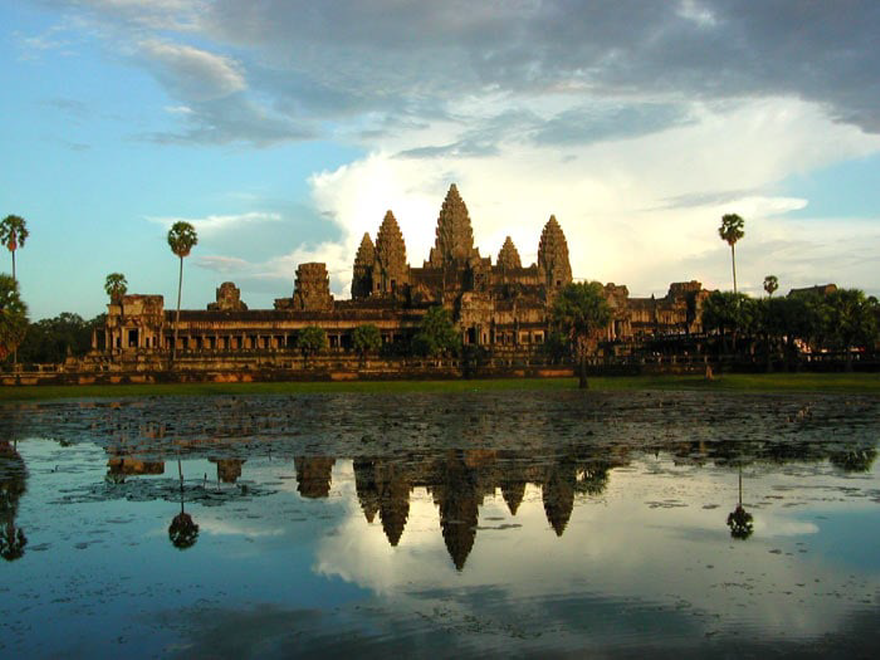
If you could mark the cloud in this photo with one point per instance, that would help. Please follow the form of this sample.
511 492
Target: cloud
73 108
220 264
628 68
228 120
215 224
634 211
191 73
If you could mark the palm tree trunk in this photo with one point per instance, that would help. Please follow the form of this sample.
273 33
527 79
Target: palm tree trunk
582 380
14 350
733 262
177 317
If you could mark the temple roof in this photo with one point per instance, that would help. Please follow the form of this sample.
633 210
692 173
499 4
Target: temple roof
390 247
553 252
508 257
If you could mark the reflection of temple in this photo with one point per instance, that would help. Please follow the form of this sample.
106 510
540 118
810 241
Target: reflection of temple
384 488
119 467
460 480
228 469
313 475
558 494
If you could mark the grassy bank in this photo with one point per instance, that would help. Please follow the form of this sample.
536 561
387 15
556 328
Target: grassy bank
837 383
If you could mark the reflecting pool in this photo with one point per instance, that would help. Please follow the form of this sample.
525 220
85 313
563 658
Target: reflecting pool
608 524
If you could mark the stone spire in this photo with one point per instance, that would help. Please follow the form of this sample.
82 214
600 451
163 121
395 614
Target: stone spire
390 270
362 278
553 255
455 237
508 257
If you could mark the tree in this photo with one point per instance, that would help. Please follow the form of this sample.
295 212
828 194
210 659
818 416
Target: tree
13 316
52 340
581 311
311 340
366 339
771 283
851 320
13 234
730 231
437 334
725 312
116 286
181 239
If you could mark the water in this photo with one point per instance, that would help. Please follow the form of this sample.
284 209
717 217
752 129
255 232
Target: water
442 526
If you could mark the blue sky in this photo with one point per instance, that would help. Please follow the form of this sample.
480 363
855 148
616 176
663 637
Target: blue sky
284 130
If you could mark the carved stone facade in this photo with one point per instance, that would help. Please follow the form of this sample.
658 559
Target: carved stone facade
311 289
502 306
390 272
553 256
228 299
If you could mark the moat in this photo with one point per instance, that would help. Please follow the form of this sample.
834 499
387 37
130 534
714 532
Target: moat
441 525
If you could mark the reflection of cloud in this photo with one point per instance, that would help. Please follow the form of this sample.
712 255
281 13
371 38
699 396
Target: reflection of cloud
226 527
620 548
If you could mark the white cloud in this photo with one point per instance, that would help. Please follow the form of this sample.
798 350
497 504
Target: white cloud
214 224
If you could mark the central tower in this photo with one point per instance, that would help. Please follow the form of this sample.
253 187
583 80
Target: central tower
454 245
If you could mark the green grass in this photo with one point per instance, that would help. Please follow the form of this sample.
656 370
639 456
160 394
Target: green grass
837 383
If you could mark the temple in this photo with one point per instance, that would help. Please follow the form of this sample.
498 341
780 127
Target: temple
502 306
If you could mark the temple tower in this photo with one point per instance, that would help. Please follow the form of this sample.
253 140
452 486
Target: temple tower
553 256
311 288
228 299
390 270
455 237
508 257
362 277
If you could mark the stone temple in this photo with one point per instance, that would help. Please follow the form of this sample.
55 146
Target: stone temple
502 306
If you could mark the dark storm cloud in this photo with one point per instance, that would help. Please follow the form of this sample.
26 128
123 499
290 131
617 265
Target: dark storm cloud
336 59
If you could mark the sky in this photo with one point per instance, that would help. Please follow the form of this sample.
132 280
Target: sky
284 130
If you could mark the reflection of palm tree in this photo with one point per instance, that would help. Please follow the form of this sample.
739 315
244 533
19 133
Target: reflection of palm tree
12 542
740 520
183 532
854 460
13 483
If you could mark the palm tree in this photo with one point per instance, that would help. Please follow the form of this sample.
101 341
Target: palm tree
181 239
581 311
771 283
116 286
13 234
730 231
13 316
